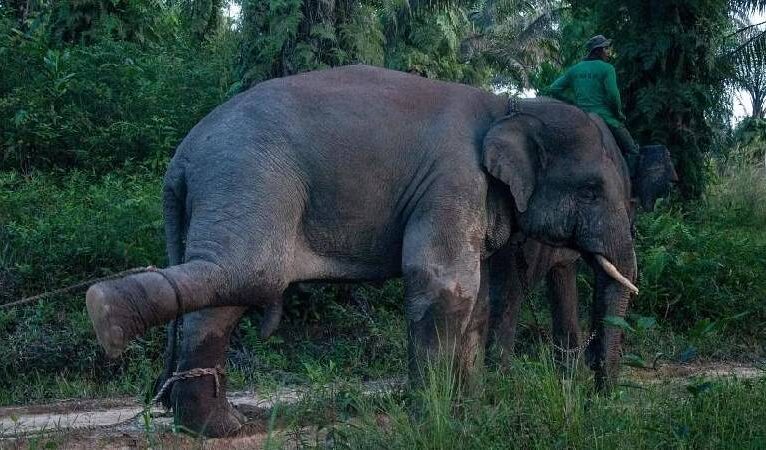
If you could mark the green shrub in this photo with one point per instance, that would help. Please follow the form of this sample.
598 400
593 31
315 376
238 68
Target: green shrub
57 231
707 264
97 106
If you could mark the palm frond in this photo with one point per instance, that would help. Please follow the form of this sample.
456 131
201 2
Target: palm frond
542 26
749 5
516 35
751 49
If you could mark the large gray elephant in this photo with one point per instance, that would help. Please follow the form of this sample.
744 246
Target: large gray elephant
361 173
516 269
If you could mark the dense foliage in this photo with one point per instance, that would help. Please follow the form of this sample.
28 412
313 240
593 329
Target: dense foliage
289 36
99 105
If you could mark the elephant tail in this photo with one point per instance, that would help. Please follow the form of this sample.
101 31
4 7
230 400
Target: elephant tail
174 199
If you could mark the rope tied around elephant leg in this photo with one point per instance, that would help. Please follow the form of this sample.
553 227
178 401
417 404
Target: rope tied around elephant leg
215 372
176 290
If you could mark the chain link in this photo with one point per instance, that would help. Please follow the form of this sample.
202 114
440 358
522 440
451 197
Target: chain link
568 351
215 372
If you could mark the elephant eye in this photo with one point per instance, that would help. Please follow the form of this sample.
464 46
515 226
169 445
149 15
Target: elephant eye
589 191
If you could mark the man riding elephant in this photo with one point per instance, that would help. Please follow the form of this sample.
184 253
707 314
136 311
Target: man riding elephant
593 81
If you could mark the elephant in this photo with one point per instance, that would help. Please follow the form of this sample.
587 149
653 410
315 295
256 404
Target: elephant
517 268
531 259
362 173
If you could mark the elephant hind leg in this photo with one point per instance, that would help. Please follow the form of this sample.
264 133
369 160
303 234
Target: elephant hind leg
200 403
507 292
125 308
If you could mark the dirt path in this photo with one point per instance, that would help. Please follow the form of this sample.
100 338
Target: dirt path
122 423
679 372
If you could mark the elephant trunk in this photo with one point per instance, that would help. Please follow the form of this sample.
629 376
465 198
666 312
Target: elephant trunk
613 288
125 308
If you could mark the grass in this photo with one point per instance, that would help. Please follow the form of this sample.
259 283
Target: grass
533 405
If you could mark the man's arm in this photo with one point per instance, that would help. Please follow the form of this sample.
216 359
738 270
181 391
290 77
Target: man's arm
613 93
558 89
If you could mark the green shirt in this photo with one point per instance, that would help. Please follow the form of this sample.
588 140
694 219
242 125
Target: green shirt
594 85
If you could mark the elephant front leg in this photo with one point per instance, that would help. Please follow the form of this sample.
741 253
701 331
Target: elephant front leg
446 328
199 402
446 306
562 295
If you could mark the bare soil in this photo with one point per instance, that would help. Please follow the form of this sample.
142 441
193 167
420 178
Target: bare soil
122 422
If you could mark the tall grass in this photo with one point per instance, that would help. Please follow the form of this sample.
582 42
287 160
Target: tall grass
536 405
738 197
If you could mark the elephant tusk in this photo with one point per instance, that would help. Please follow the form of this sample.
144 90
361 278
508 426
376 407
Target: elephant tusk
614 273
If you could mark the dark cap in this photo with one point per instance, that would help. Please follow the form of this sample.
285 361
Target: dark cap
598 41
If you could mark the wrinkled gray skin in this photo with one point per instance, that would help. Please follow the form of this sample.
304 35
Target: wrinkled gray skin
361 173
516 269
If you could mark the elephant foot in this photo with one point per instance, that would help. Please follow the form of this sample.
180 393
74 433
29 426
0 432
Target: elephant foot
118 311
201 407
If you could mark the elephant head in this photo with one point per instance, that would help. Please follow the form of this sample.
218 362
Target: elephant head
570 191
654 177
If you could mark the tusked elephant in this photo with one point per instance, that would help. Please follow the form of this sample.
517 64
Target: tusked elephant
516 269
363 173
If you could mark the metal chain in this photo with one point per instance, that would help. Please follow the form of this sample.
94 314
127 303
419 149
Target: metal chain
177 376
579 349
514 107
79 285
215 372
568 351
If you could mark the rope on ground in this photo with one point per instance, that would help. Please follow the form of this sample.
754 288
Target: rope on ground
77 286
215 372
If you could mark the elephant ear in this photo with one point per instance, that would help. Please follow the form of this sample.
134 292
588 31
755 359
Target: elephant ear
511 150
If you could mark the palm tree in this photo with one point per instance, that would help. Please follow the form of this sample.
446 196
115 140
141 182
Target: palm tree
751 38
514 35
750 63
